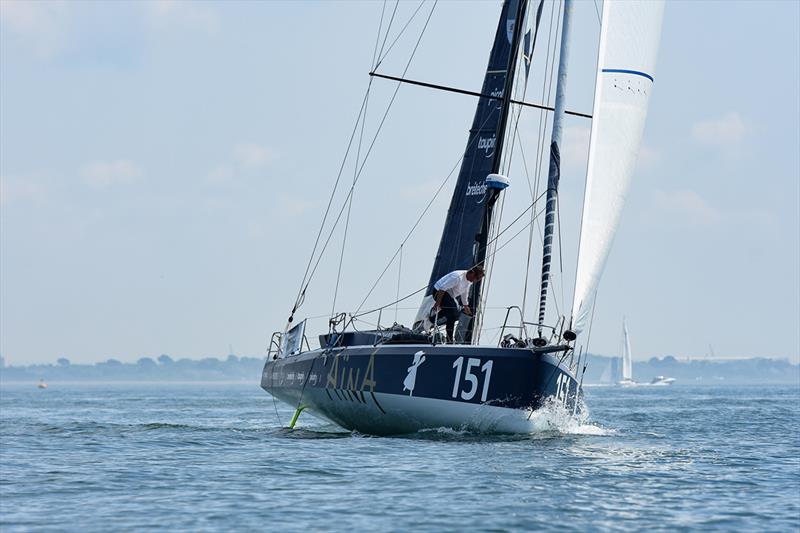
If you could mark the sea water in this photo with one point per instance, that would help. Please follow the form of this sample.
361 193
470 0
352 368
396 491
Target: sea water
211 456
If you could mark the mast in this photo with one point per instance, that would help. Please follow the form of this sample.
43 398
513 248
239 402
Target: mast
493 194
555 166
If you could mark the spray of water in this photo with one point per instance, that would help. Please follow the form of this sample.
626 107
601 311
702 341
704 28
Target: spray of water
553 417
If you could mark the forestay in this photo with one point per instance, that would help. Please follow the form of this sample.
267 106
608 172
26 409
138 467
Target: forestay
628 47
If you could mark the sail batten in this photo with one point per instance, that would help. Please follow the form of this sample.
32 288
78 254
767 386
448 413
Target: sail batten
629 38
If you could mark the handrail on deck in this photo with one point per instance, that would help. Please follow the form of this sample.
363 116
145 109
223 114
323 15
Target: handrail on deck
274 345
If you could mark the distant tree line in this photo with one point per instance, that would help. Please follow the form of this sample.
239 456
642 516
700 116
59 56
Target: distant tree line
739 371
233 368
163 368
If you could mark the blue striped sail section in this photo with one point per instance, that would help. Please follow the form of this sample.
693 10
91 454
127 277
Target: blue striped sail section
626 71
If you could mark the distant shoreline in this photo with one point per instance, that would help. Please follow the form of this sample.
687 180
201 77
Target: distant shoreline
50 383
247 370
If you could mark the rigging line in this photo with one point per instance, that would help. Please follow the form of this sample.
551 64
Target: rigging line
560 252
424 212
513 124
547 87
489 270
507 160
411 231
597 10
514 127
585 186
378 36
542 128
518 217
388 28
330 200
589 332
350 202
274 401
303 285
430 202
555 300
406 297
497 249
547 84
523 228
369 150
524 163
528 62
357 314
349 208
456 90
300 294
530 235
341 256
385 55
399 277
420 217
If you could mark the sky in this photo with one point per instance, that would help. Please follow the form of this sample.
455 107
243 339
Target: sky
164 167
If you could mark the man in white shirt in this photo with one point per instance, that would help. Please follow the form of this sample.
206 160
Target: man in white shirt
448 290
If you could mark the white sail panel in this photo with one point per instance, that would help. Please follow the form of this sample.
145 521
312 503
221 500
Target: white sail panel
628 47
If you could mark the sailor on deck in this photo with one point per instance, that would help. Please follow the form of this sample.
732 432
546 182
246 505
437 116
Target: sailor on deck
448 290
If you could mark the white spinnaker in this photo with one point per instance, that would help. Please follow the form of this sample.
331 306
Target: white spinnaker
629 39
627 364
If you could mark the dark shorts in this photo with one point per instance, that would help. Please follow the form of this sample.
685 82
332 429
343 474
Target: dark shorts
450 310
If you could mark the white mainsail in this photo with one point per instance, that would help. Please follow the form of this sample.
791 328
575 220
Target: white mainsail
627 364
629 40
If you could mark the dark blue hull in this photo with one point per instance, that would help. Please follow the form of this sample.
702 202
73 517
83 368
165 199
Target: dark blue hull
390 389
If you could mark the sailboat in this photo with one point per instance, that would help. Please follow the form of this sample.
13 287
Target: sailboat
402 379
627 362
662 380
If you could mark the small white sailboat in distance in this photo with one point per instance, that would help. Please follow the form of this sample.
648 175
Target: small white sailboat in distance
42 384
662 380
627 363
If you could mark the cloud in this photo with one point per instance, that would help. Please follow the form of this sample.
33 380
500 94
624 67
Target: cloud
575 145
219 175
727 130
100 174
648 157
169 14
425 190
15 190
292 206
245 156
41 26
252 155
687 205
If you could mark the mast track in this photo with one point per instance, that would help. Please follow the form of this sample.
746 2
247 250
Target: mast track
473 93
